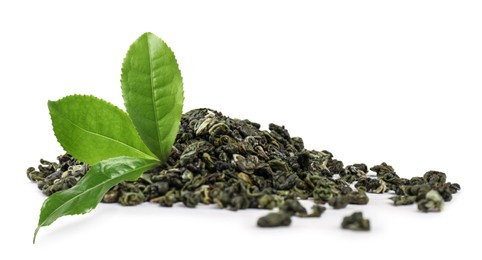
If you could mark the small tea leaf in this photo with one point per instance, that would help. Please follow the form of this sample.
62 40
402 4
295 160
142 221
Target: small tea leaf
153 92
89 191
92 130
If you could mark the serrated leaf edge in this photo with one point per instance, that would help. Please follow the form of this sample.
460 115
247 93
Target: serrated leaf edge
150 71
148 156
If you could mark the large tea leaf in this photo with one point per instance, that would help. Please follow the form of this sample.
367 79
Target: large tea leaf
153 92
92 130
89 191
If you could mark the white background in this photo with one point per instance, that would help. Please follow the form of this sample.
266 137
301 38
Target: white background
370 81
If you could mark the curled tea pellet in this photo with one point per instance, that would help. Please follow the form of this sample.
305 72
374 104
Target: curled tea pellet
339 202
356 222
433 202
274 219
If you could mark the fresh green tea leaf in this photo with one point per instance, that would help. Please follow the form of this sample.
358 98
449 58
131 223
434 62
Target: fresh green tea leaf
153 92
92 130
88 192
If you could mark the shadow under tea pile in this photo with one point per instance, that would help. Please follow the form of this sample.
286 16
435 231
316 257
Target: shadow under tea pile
234 164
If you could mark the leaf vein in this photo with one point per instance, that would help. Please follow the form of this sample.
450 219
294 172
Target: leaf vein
153 93
66 203
104 136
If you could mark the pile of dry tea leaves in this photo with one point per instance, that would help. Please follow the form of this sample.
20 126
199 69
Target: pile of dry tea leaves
235 165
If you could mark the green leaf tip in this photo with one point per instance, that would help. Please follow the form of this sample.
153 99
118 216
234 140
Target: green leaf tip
88 192
153 93
92 129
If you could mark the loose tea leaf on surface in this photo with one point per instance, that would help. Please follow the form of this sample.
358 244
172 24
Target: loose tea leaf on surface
275 219
356 222
433 202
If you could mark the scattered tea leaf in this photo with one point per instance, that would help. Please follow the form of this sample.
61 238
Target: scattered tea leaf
356 222
275 219
433 202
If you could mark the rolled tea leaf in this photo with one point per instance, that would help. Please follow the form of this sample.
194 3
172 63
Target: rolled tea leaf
92 130
153 92
89 191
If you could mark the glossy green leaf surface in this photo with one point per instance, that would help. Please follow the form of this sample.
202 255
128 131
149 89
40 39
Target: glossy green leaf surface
92 130
153 92
88 192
